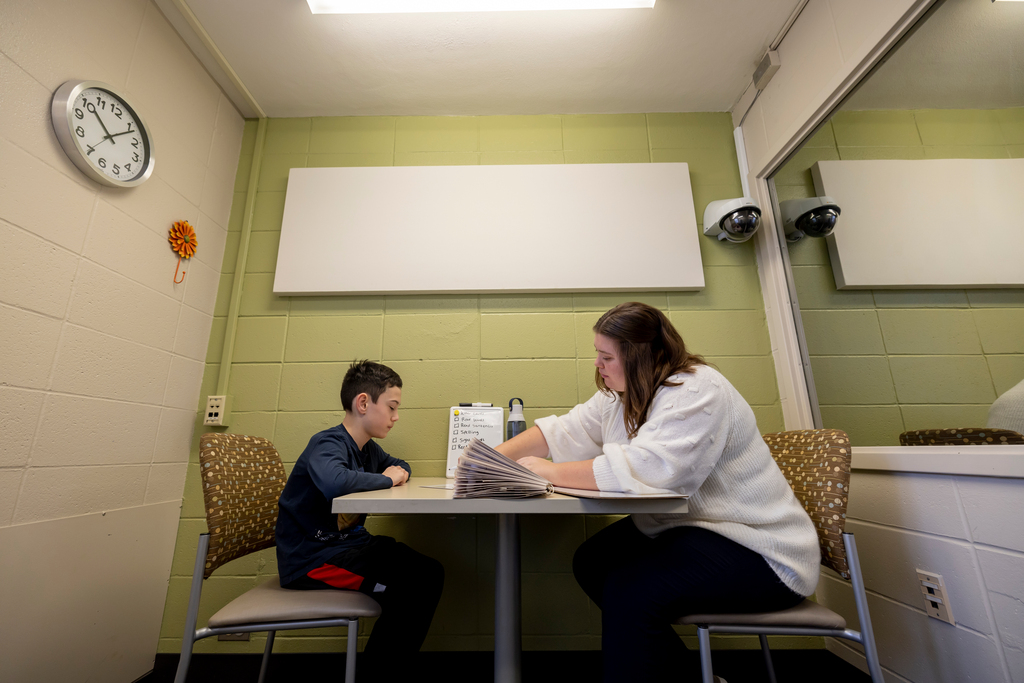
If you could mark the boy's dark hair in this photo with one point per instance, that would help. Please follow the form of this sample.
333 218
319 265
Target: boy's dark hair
365 376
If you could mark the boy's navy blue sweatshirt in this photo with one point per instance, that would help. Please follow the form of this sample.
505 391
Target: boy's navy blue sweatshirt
331 466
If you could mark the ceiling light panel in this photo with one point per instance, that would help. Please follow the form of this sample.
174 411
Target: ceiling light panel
417 6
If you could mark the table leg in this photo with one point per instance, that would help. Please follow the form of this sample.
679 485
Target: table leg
508 635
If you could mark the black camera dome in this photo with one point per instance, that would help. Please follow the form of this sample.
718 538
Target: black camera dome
740 225
819 222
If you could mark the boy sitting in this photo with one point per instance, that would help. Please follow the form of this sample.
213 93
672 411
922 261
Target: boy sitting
318 549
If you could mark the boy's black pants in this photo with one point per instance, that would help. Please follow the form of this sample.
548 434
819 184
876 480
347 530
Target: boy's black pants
643 584
405 583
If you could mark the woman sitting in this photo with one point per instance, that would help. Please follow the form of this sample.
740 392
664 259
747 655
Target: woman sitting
664 420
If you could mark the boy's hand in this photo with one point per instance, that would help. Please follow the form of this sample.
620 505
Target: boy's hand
398 475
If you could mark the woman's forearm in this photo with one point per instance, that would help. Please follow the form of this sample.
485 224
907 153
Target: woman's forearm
530 443
574 475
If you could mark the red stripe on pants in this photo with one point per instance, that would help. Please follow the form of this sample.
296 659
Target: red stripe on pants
336 577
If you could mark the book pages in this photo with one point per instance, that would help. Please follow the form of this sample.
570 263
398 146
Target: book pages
483 472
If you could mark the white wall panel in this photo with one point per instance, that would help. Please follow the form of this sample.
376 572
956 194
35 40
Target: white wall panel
944 223
572 227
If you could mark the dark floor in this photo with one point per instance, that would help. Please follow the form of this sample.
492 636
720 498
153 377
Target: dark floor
736 666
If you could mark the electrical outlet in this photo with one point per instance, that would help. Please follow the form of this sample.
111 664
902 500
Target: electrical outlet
216 411
233 636
936 600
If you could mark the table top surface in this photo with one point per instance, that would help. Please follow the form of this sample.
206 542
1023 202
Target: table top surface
413 498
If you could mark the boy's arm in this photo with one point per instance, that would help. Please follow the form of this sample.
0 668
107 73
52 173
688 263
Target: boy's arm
383 460
331 474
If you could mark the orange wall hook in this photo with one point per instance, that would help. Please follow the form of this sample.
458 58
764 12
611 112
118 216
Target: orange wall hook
182 237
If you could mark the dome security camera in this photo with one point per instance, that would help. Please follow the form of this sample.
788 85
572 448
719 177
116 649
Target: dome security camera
732 220
814 217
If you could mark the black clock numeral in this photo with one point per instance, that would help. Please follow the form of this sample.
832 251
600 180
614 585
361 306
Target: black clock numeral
135 157
128 167
80 132
116 169
79 114
117 112
130 127
102 163
91 107
135 143
91 150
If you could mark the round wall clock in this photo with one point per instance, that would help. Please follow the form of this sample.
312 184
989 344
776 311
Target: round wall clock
102 133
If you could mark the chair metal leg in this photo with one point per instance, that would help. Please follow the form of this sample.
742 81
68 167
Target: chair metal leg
266 656
350 655
860 597
767 657
704 640
189 637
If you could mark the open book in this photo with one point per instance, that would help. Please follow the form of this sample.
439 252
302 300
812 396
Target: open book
483 472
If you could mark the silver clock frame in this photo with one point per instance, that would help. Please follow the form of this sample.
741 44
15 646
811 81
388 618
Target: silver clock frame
62 117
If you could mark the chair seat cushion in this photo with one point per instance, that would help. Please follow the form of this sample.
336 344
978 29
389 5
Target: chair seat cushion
807 614
269 602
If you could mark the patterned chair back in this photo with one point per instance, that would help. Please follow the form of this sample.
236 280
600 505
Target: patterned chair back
242 478
975 436
816 463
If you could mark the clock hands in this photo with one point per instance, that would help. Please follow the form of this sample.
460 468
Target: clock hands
108 136
123 132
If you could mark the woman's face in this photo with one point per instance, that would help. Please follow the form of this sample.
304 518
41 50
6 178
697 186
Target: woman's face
608 363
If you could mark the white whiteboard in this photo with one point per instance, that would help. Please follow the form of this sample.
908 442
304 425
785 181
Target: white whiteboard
486 423
429 229
926 224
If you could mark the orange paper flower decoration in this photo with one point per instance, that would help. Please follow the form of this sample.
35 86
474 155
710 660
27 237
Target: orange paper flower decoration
183 239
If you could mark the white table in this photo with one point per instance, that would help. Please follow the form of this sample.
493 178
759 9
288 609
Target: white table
412 498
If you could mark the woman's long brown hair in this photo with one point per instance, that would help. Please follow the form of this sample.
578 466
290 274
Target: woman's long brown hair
650 350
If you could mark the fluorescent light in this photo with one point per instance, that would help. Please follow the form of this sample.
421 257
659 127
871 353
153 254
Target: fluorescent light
414 6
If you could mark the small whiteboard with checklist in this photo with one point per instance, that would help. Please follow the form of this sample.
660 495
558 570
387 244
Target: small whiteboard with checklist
466 423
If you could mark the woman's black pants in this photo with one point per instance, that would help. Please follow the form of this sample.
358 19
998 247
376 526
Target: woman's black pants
643 584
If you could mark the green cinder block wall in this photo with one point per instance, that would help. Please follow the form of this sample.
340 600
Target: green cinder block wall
888 361
291 353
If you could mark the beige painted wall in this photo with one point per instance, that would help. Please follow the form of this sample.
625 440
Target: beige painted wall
103 354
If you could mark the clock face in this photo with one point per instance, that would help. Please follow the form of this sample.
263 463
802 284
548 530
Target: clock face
102 133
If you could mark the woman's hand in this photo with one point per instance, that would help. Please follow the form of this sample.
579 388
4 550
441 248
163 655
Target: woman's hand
539 466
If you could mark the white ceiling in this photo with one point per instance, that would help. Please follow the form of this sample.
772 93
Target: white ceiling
968 55
682 55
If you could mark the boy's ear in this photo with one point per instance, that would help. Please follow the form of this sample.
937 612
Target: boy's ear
361 402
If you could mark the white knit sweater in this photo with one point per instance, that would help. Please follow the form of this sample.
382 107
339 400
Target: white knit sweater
1008 410
700 440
